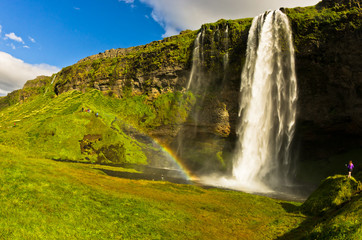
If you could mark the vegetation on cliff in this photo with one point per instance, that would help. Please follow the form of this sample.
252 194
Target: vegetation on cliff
314 26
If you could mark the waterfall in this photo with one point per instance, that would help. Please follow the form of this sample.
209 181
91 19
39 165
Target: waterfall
53 79
46 90
267 104
226 44
196 60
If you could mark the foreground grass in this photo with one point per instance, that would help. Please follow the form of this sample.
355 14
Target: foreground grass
43 199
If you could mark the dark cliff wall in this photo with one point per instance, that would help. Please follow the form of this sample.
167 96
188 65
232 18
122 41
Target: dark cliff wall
329 71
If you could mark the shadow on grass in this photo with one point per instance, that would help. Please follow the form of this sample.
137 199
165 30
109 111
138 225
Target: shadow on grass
303 229
155 175
306 230
300 232
290 208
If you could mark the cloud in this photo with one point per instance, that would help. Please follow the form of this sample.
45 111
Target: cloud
11 45
131 2
1 28
76 8
15 72
126 1
31 39
177 15
12 36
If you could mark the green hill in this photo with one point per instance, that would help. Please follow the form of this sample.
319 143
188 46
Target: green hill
61 127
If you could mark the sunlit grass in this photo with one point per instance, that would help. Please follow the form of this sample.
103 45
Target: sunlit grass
44 199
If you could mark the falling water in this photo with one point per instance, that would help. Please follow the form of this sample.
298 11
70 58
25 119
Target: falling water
50 84
268 104
226 44
53 79
196 60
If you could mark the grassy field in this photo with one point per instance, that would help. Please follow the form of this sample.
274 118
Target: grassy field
44 199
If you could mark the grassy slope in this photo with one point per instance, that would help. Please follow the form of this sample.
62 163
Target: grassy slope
53 126
45 199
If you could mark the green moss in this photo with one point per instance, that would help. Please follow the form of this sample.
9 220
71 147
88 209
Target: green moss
312 24
343 224
332 192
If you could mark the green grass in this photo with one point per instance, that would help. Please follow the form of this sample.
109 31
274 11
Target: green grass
43 199
344 223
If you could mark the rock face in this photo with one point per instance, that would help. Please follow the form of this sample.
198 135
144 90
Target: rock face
330 81
329 74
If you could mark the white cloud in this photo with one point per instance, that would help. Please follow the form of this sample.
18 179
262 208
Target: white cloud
1 28
177 15
131 2
76 8
3 93
13 36
15 72
11 45
31 39
126 1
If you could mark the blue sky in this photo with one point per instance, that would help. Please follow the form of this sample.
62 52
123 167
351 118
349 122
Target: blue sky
39 37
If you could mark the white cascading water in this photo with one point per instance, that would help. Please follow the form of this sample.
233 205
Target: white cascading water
262 160
196 60
226 55
226 43
53 79
267 105
50 84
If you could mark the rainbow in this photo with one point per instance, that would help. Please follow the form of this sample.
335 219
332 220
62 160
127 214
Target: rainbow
181 165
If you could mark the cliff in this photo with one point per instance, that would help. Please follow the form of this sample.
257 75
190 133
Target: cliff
329 73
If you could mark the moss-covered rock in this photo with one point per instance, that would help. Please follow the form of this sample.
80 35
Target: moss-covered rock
342 224
332 192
